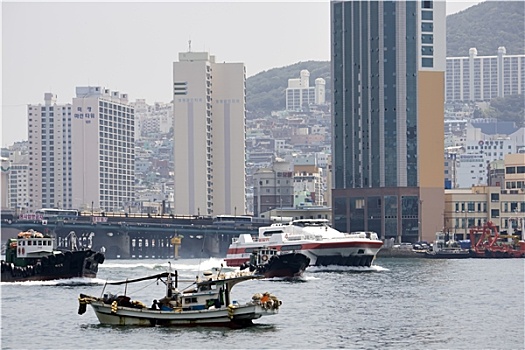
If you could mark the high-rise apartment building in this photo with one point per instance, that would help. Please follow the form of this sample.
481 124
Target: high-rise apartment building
482 78
299 93
209 135
388 69
49 173
102 150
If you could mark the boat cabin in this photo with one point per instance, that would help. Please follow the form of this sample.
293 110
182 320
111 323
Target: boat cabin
262 256
31 244
212 291
364 234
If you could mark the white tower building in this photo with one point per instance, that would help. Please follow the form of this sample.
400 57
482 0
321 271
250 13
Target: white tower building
209 135
49 182
102 149
300 94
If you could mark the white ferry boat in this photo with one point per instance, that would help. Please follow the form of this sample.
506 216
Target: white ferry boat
314 238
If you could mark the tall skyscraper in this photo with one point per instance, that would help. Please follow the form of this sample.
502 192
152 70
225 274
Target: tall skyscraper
209 128
49 173
388 67
102 150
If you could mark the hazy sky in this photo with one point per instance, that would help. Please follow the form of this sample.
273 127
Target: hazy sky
131 46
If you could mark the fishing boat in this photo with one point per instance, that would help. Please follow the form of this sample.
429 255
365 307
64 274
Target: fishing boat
322 244
31 256
206 302
270 263
487 242
444 248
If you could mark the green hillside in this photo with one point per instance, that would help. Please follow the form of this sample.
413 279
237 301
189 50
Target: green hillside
485 26
265 90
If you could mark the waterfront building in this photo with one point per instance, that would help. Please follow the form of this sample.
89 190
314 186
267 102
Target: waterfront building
209 135
300 95
388 68
50 161
273 188
503 203
482 78
102 154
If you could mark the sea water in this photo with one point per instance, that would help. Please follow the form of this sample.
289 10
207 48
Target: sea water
395 304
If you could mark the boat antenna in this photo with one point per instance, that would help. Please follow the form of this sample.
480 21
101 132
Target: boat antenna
219 271
169 282
201 254
126 287
104 288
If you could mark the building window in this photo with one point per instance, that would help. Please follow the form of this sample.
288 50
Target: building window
427 15
427 38
427 62
427 4
427 27
427 50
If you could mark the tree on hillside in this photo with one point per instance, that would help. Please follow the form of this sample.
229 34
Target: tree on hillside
509 108
265 91
487 26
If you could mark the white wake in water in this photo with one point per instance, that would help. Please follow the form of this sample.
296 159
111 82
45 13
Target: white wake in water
76 281
180 265
337 268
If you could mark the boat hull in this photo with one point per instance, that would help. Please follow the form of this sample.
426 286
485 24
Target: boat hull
237 316
460 254
361 257
70 264
284 266
342 253
496 254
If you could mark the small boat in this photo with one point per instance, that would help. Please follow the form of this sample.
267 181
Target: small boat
32 257
206 302
487 242
322 244
446 249
269 262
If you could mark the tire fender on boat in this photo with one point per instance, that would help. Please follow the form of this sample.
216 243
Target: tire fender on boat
114 307
99 258
264 257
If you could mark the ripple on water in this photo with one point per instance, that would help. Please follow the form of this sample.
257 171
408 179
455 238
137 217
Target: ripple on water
401 304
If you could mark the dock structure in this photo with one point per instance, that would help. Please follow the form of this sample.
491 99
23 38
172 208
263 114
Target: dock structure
152 237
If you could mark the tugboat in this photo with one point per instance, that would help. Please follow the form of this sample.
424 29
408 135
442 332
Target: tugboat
446 249
269 262
32 257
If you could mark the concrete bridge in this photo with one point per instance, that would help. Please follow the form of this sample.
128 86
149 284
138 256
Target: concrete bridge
127 240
